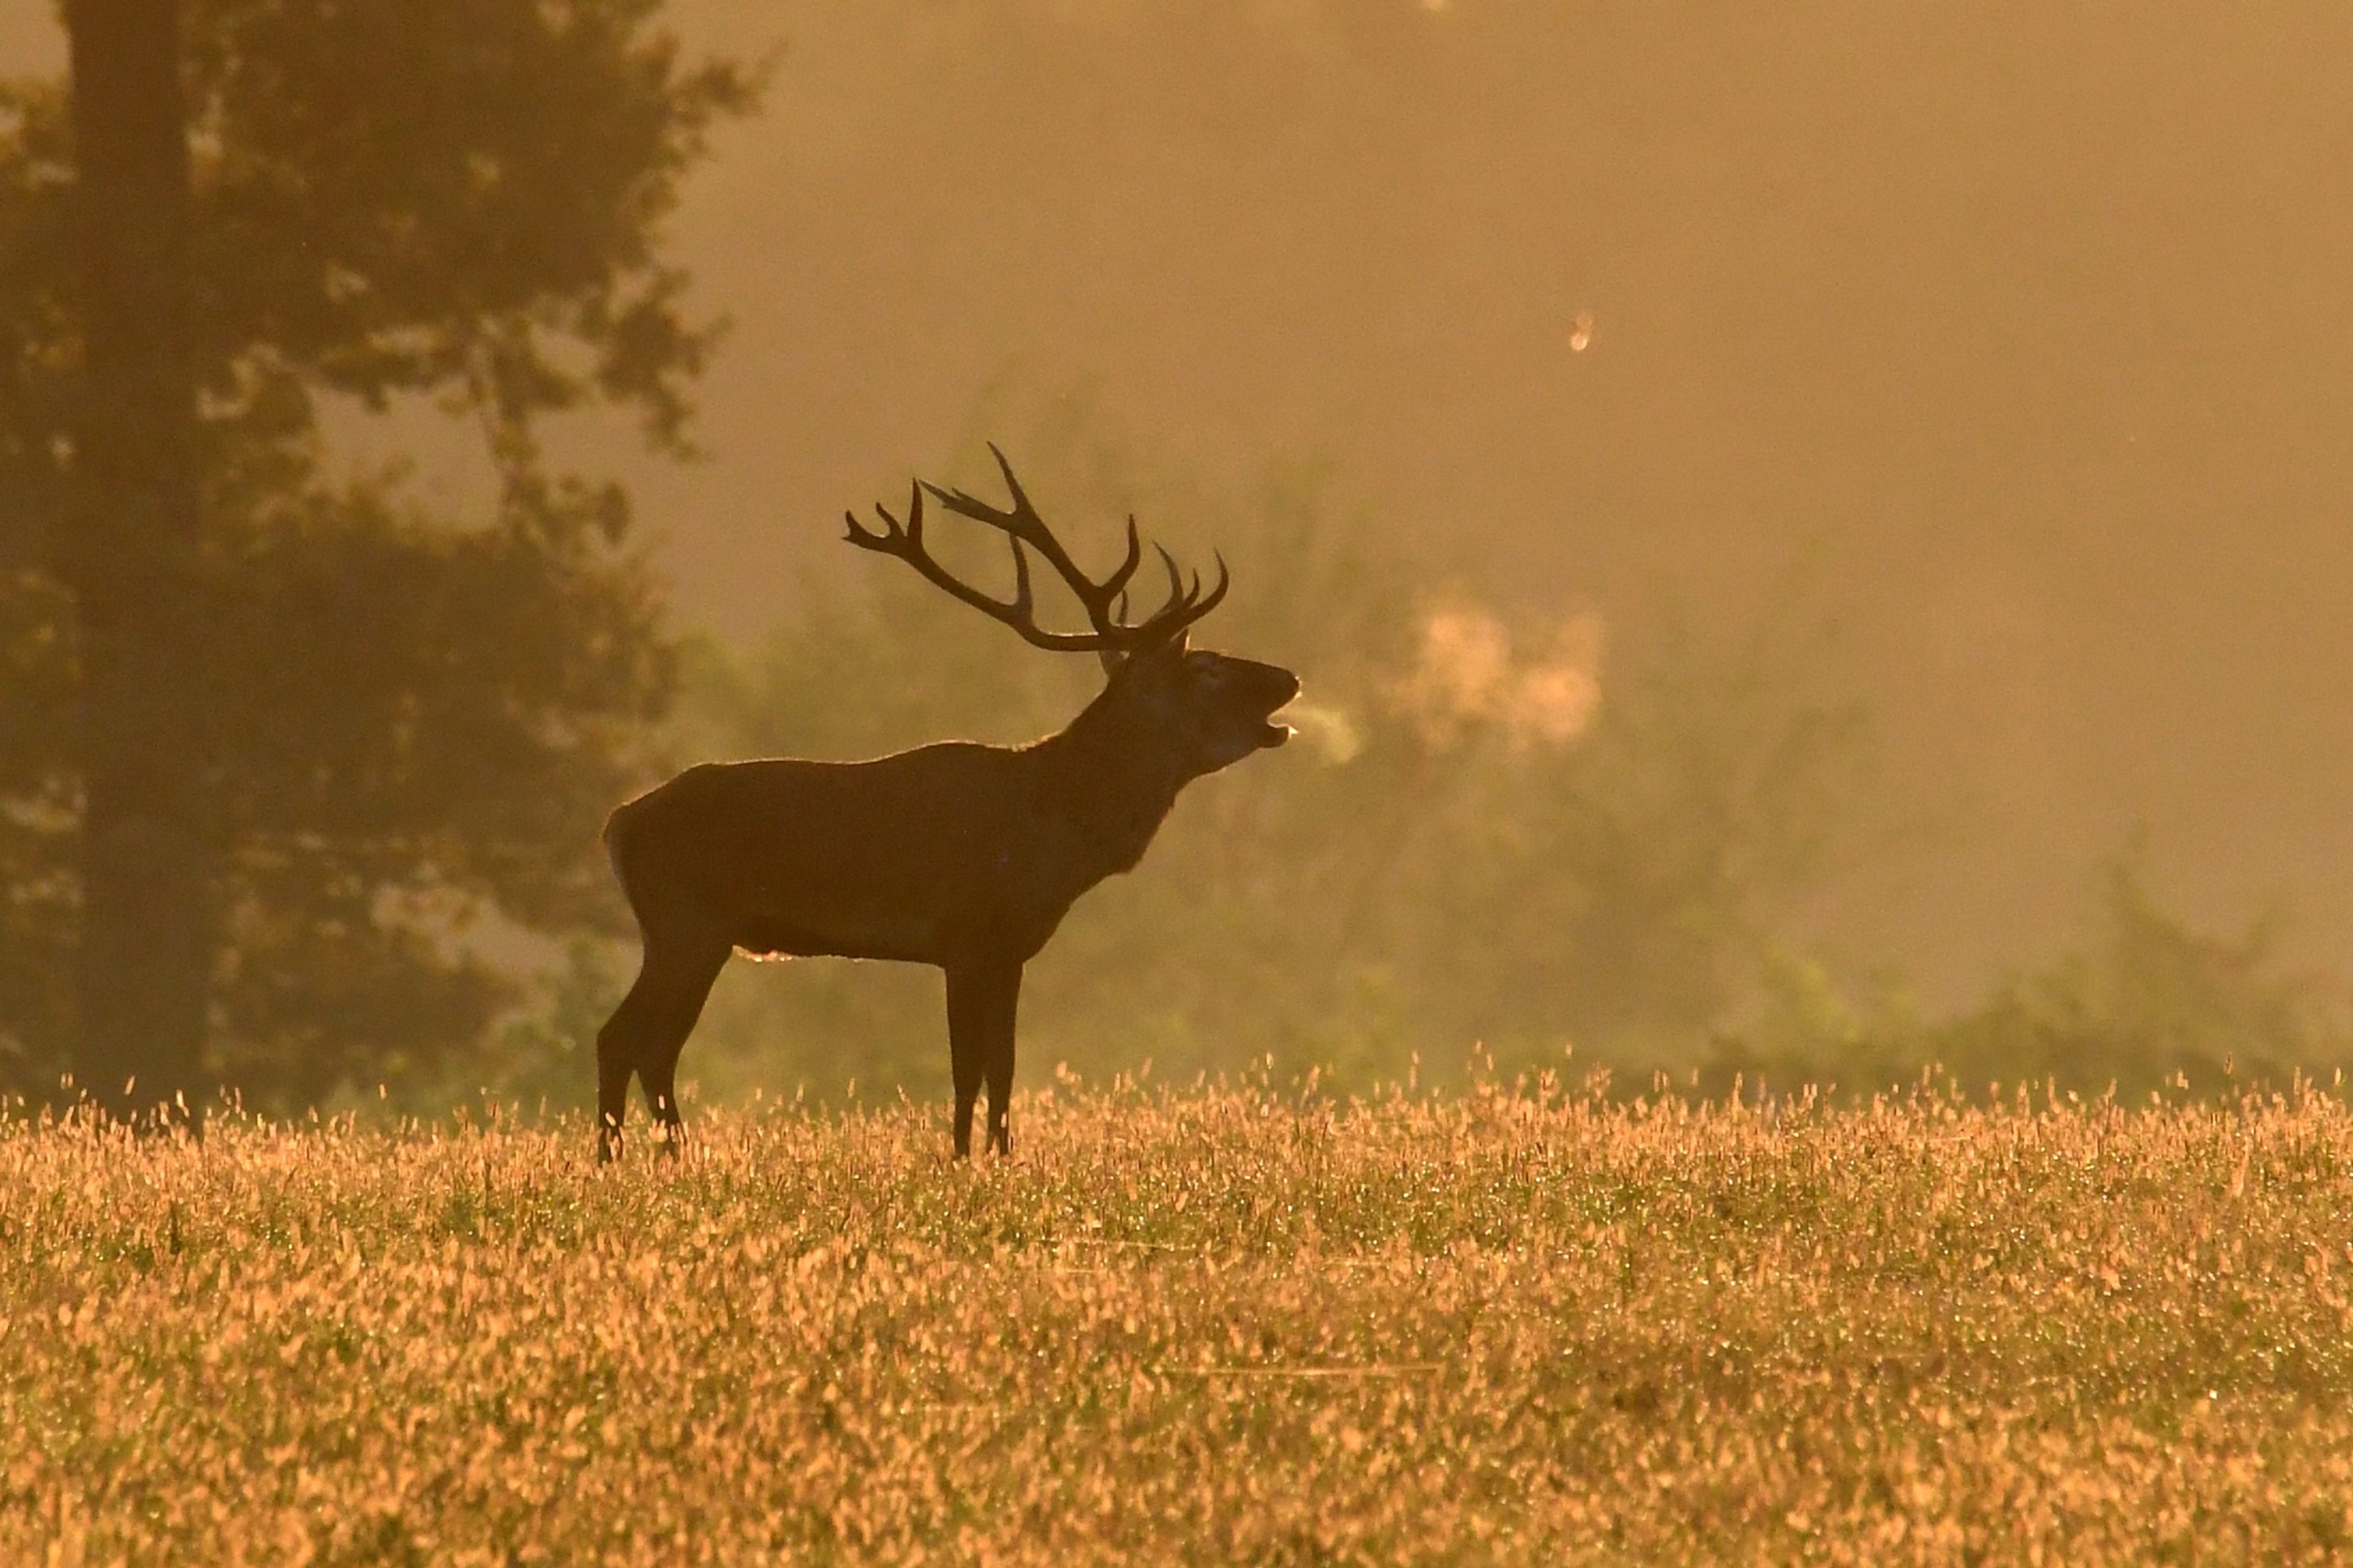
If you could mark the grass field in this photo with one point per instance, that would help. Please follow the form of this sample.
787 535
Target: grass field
1214 1327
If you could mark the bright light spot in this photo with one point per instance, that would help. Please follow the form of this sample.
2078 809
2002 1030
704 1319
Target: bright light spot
1581 335
1556 702
1465 675
1465 654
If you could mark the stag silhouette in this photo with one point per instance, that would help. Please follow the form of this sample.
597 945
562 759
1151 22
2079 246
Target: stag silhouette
957 853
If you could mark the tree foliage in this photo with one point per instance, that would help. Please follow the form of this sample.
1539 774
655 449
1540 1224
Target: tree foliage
414 720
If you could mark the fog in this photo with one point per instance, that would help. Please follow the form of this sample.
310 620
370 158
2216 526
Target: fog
2022 332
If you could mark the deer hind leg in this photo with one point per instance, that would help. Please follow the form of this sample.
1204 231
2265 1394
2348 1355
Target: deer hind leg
647 1031
615 1062
982 1001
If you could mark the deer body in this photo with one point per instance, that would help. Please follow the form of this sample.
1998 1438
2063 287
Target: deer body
962 856
863 864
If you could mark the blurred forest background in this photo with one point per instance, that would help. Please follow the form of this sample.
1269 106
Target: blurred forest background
1817 541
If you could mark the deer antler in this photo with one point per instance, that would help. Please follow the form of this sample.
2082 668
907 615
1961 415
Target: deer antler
1104 601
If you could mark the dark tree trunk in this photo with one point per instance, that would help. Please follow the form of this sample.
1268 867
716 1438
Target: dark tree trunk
130 553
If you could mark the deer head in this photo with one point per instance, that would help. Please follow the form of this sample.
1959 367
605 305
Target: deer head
1214 708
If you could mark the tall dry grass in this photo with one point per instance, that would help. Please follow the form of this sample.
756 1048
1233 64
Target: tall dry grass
1219 1328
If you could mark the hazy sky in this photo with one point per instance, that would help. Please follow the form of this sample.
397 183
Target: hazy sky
2032 320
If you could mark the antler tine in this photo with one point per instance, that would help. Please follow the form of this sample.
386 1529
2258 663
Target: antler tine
891 540
1023 518
1012 485
1217 595
1175 586
1116 582
1194 606
1023 606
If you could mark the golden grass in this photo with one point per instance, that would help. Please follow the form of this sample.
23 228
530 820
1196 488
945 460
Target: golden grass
1215 1328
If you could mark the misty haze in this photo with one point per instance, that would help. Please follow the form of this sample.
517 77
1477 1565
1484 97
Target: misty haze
1704 915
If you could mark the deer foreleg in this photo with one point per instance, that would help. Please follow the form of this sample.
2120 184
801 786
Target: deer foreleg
982 1002
966 1066
1000 1073
660 1076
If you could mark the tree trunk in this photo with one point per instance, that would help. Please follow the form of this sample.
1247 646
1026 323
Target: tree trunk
130 555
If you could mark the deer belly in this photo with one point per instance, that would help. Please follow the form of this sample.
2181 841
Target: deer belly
846 935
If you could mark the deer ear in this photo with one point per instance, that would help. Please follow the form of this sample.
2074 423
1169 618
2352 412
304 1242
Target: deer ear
1170 647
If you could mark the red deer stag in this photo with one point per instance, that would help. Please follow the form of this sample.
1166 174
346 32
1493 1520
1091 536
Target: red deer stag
959 855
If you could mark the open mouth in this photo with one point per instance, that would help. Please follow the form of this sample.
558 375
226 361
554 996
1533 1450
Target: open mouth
1273 732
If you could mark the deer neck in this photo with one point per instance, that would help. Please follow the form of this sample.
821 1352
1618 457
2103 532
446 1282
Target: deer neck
1112 777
